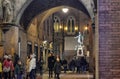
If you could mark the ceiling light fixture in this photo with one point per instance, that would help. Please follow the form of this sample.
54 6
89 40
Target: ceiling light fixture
65 10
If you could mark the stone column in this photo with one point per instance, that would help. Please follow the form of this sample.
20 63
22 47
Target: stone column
9 38
96 48
23 44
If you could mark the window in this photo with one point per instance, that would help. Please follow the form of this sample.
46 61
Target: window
36 51
56 24
29 48
71 24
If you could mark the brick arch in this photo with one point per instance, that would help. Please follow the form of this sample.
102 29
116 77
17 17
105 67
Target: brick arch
38 6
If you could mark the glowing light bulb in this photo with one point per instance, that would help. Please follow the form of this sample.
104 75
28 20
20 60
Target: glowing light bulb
65 10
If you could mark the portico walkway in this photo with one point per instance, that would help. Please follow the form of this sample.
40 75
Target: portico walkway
68 76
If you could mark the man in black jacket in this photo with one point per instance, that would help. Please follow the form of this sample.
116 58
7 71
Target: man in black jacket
65 65
51 61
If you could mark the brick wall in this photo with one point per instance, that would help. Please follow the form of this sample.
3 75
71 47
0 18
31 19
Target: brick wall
109 39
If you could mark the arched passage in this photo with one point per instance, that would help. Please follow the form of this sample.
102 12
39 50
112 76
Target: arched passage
38 6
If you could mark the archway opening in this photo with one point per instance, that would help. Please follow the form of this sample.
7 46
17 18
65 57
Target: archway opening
56 33
49 30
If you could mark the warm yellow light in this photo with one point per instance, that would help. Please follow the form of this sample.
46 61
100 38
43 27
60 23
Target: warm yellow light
86 28
60 26
65 28
76 28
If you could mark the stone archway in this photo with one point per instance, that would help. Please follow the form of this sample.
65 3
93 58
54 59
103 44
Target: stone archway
38 6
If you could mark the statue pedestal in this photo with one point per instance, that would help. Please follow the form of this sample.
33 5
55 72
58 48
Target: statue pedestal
80 51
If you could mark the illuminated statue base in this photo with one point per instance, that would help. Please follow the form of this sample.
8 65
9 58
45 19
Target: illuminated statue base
80 50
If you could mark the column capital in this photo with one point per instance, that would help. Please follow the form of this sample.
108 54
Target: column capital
6 26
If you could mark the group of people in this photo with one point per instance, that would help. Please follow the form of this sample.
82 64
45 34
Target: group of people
54 64
79 65
9 67
13 67
31 66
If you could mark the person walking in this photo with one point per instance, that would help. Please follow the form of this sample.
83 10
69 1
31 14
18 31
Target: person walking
41 62
11 72
32 66
27 67
78 64
64 63
6 67
51 61
72 65
18 70
57 68
83 64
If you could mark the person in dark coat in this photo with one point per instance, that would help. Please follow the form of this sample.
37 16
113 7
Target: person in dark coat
78 64
83 64
18 70
57 68
41 62
51 61
15 59
64 63
72 63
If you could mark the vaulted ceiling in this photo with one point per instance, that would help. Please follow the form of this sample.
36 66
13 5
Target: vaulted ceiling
37 7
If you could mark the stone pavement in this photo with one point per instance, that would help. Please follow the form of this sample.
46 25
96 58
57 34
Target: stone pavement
68 76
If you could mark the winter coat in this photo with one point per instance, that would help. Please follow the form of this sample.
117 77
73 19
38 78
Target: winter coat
64 63
57 67
51 61
18 69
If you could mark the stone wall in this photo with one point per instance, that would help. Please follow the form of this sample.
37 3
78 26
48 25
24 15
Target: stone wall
109 39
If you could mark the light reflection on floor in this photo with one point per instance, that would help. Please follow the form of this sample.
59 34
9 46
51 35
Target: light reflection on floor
69 76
